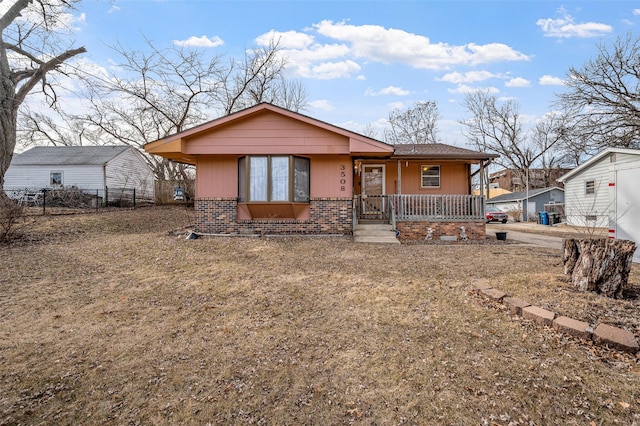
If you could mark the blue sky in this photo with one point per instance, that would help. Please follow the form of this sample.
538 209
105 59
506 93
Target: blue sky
360 59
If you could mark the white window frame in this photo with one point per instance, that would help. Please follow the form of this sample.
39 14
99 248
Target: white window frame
56 185
590 189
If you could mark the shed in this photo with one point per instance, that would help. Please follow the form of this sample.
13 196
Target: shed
601 193
92 169
532 201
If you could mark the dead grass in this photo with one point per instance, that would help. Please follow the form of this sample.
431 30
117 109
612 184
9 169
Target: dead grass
107 319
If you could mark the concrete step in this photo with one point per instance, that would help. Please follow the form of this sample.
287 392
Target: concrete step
375 233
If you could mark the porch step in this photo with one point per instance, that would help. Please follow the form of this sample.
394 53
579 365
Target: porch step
375 233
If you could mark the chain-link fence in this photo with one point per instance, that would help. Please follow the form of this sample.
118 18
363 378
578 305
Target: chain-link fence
59 200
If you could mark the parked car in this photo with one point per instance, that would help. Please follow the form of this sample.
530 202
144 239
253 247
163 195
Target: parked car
493 214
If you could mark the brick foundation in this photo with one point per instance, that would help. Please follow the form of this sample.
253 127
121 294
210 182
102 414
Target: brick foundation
418 230
327 216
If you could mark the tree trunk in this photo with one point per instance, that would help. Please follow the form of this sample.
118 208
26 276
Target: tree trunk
601 265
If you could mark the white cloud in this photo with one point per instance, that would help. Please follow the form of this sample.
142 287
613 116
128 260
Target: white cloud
518 82
549 80
285 40
636 12
322 104
330 70
390 90
114 9
464 89
565 27
348 45
387 45
467 77
202 41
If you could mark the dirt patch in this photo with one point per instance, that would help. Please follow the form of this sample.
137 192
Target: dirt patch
111 319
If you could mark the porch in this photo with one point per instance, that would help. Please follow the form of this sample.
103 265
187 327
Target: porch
418 216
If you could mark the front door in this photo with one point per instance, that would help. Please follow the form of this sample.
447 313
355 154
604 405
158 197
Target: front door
373 190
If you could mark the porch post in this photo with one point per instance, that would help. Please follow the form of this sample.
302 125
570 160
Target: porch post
399 178
482 179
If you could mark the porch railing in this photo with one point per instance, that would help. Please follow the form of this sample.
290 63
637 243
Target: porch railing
417 207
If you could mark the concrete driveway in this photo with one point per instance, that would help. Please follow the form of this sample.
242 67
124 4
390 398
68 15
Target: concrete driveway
535 234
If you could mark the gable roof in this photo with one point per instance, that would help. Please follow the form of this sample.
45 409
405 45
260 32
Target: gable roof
68 155
174 146
521 195
438 151
596 158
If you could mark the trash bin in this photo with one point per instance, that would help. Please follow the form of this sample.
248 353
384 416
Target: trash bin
551 217
544 218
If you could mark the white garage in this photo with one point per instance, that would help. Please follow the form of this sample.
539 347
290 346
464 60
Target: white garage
602 192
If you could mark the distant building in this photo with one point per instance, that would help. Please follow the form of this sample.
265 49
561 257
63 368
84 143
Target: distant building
92 169
511 181
529 203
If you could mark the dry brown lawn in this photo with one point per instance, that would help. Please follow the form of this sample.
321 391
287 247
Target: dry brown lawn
109 319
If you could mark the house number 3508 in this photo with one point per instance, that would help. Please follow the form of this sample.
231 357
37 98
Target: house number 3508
343 177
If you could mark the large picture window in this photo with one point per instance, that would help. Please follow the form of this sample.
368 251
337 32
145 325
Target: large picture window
273 178
430 176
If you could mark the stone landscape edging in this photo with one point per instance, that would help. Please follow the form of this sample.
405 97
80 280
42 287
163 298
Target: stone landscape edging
603 334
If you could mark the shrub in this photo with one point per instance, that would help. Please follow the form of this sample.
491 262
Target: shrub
11 217
516 214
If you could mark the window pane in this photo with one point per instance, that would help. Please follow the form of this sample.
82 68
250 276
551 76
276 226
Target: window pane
430 176
242 179
258 178
590 187
279 178
56 179
301 180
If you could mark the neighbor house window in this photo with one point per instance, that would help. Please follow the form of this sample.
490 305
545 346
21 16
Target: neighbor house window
430 176
590 187
55 179
273 178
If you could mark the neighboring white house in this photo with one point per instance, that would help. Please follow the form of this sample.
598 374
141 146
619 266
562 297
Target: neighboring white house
89 168
604 192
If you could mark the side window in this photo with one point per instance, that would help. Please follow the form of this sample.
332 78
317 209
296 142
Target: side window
590 187
55 179
430 176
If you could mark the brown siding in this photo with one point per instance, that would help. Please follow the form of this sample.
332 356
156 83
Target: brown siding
217 177
454 177
268 133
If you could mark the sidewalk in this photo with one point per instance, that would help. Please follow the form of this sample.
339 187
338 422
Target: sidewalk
542 235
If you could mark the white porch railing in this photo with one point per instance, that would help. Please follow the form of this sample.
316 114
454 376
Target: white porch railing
437 207
417 207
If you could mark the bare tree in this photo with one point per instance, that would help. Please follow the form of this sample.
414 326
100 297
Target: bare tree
500 129
165 91
414 125
603 97
29 51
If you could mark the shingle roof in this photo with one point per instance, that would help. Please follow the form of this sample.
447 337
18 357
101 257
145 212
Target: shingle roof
438 150
522 195
68 155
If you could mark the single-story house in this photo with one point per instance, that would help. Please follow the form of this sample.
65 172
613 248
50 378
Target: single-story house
531 202
268 170
92 169
602 192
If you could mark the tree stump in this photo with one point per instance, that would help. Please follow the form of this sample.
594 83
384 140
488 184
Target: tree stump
570 255
600 265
